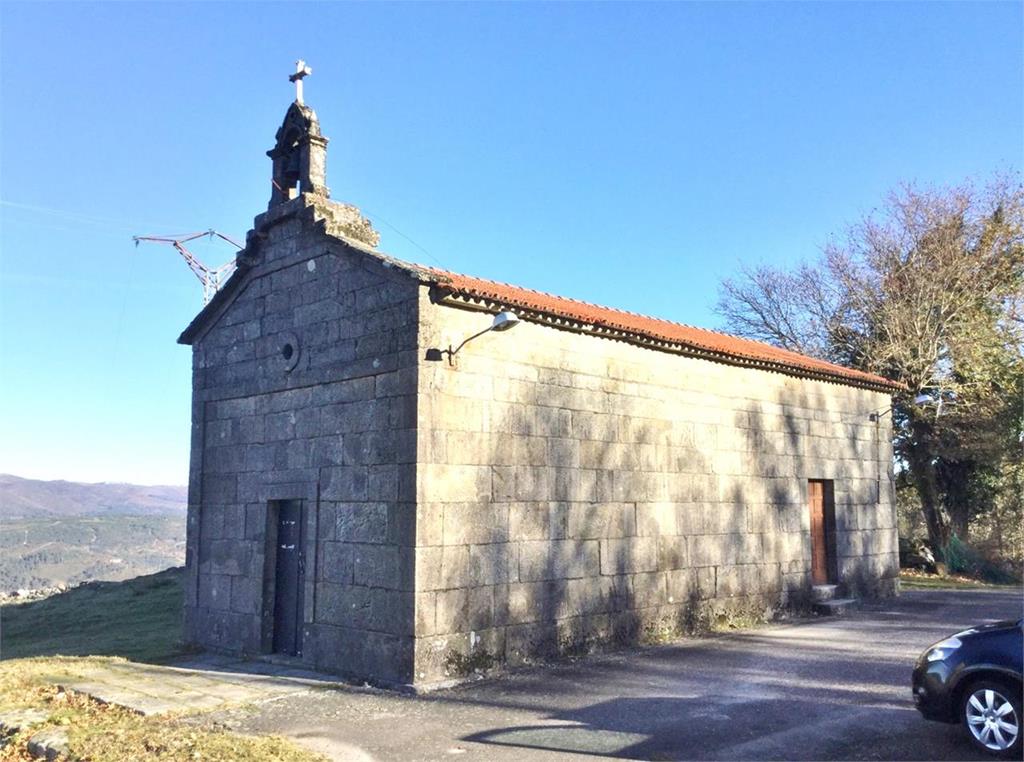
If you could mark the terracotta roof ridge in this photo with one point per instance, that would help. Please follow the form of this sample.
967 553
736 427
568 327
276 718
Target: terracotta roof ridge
660 329
586 303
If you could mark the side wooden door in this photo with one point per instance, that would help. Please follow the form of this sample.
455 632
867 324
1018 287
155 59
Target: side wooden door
819 545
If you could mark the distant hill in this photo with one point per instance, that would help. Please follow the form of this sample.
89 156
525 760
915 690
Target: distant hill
32 498
64 532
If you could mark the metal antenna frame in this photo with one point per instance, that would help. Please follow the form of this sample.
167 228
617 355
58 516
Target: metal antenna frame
212 278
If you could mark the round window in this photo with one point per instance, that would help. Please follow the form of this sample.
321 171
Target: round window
289 351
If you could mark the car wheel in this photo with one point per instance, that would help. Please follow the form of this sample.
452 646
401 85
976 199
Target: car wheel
991 712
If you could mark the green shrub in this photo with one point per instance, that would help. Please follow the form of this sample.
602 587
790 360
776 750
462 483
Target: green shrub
963 559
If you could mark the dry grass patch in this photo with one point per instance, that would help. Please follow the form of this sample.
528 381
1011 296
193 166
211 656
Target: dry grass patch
913 579
101 732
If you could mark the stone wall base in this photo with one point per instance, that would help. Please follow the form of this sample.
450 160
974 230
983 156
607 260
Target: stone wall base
443 661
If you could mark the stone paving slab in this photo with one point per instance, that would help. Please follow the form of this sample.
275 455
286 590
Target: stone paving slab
194 684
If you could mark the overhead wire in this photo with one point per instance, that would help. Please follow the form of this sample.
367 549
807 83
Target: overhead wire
377 217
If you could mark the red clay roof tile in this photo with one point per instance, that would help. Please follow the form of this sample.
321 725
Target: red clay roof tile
697 340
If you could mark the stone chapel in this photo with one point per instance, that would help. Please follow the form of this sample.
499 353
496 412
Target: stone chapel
401 474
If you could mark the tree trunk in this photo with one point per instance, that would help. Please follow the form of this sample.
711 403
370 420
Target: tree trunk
955 477
959 522
922 469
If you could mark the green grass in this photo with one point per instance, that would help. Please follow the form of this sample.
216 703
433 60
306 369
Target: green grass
923 581
139 619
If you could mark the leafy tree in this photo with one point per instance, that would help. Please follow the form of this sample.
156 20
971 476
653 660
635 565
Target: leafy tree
926 291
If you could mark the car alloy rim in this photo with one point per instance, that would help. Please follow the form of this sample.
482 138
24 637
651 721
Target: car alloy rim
992 719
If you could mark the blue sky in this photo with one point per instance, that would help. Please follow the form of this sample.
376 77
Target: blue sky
626 154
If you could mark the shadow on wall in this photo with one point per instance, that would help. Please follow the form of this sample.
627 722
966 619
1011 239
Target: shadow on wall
718 564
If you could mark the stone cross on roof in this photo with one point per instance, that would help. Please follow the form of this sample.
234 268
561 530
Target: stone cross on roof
301 71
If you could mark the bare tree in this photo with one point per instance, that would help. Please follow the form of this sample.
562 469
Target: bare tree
927 292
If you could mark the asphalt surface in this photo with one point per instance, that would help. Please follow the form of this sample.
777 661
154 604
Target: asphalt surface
828 689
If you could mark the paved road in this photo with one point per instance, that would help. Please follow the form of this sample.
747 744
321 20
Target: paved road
821 690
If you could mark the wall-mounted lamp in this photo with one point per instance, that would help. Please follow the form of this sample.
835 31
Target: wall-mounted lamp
939 400
502 322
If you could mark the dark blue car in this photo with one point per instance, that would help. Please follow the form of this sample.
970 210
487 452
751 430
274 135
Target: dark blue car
974 678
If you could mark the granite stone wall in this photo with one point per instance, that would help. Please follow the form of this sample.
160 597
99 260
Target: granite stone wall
573 491
551 492
304 389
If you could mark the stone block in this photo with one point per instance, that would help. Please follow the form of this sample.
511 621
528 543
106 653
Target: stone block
718 549
649 589
525 643
362 522
476 523
586 521
351 417
629 555
737 580
575 485
232 409
349 390
429 523
247 594
480 612
492 564
534 483
215 591
452 610
426 614
683 585
535 521
345 484
219 489
376 566
255 521
342 605
503 483
673 552
429 568
280 426
387 657
563 453
656 519
338 562
211 520
456 570
725 518
558 559
552 421
262 458
450 483
231 557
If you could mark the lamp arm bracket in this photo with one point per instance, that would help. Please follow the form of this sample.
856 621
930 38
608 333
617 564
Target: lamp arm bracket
452 352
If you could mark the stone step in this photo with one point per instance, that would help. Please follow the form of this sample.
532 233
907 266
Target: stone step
823 592
835 606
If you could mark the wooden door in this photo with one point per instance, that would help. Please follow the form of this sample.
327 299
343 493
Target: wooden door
288 578
819 545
